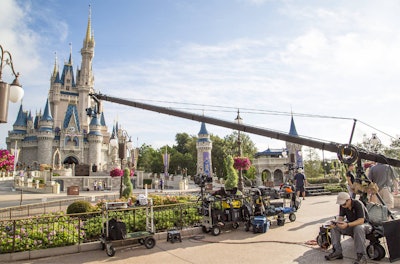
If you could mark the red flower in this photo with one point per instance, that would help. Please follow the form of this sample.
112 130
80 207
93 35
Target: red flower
241 163
116 172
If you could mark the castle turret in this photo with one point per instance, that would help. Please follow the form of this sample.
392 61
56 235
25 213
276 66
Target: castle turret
45 136
204 146
95 139
294 150
55 93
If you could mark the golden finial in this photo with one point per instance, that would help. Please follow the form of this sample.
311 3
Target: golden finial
55 70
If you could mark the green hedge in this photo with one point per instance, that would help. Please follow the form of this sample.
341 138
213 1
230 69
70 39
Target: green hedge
323 180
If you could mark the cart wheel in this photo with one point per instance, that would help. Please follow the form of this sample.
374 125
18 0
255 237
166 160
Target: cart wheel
205 229
235 225
141 241
324 241
281 222
110 251
376 251
216 230
149 242
292 217
103 245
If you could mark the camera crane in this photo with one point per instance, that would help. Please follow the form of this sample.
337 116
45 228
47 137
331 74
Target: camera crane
347 153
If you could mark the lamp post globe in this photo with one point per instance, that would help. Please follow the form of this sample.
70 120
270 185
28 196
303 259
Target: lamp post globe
13 91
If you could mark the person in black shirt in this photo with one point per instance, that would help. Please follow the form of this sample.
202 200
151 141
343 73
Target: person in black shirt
352 220
300 181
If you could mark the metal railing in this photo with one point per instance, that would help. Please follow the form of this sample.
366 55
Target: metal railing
46 207
40 232
61 205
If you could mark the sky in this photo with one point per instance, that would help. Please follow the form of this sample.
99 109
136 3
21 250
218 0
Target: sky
326 63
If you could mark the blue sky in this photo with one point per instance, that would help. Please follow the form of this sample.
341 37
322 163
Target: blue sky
328 58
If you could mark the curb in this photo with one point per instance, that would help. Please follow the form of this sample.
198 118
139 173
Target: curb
90 246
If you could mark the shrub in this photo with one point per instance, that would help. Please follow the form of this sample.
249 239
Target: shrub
127 192
79 207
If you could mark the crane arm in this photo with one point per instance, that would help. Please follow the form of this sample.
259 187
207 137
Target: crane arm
341 149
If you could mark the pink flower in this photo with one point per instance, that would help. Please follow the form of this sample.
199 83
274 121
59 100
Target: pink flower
116 172
241 163
6 160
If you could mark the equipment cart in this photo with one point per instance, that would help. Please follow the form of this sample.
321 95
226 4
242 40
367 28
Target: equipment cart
114 231
220 210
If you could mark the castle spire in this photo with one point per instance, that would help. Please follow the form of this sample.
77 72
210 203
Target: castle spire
88 38
293 131
70 54
55 70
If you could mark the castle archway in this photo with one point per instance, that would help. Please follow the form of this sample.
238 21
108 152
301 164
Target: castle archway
71 160
266 176
278 177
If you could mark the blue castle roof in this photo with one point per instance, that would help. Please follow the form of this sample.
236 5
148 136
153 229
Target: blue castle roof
203 129
293 131
47 113
21 118
71 111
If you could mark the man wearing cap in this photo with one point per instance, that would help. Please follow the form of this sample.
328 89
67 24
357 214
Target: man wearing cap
352 220
300 182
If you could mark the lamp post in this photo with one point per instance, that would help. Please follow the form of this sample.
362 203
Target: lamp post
123 145
239 120
374 143
13 91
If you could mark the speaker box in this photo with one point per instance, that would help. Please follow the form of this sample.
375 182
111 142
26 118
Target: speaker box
391 230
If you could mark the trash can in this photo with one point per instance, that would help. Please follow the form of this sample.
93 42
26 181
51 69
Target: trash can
73 190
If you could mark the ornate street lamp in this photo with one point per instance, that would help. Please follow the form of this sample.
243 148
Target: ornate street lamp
13 91
239 120
123 146
374 142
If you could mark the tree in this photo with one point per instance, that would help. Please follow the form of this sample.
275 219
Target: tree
184 154
312 164
218 156
232 147
232 176
393 151
150 160
182 143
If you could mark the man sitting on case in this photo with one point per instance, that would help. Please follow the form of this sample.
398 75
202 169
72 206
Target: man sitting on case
356 225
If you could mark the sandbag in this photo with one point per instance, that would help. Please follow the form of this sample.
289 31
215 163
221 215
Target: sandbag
377 213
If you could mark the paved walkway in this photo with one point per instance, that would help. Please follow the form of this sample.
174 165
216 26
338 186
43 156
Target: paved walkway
291 243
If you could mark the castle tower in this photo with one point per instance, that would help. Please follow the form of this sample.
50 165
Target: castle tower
294 150
204 146
45 136
84 76
54 94
95 139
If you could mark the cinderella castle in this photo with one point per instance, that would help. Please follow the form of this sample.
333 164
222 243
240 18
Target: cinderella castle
63 133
